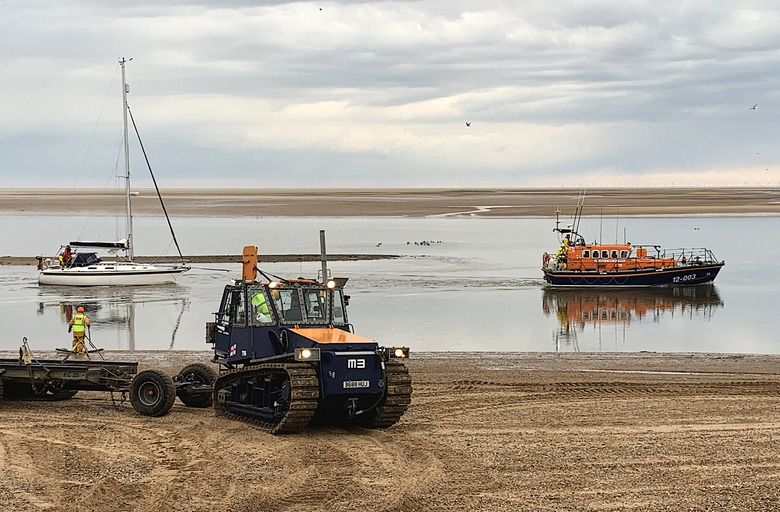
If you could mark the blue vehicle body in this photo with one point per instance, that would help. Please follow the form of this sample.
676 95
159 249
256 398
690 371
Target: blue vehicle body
288 355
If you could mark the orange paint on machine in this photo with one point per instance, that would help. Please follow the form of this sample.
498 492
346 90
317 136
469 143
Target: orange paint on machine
330 335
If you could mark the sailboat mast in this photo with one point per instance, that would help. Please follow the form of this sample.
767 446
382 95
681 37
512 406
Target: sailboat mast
129 219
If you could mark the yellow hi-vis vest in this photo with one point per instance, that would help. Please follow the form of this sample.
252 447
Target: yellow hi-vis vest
78 322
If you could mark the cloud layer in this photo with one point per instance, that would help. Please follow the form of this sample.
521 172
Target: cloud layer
377 94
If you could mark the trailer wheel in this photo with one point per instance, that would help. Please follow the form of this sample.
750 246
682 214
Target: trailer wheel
199 374
63 394
152 393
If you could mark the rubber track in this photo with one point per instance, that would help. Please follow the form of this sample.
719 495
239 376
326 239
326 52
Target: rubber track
399 396
305 392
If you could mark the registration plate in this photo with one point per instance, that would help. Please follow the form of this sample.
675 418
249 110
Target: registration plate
352 384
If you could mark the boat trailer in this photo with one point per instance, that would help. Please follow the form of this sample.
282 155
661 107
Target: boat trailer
152 393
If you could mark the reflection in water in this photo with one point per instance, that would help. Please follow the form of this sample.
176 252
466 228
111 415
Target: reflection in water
575 309
109 309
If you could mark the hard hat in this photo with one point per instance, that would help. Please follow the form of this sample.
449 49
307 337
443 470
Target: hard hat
80 310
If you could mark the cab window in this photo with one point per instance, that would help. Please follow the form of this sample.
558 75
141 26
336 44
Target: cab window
586 254
624 254
314 302
233 311
614 254
605 254
288 304
339 312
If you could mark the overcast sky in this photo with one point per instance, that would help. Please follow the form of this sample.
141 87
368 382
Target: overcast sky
377 94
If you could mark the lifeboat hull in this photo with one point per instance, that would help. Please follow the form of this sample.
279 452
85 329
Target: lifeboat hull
671 276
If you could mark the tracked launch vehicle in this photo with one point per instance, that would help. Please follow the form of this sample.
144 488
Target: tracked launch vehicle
288 356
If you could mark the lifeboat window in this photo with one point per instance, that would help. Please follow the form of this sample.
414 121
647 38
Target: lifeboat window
595 255
624 254
586 254
614 255
605 254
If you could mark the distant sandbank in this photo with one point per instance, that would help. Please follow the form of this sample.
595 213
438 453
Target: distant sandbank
394 202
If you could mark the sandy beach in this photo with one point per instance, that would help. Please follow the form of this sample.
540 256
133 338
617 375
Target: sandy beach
485 432
395 202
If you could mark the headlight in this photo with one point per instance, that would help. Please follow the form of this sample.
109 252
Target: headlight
307 354
331 284
397 353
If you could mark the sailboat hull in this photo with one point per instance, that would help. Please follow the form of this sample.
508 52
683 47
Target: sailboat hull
120 274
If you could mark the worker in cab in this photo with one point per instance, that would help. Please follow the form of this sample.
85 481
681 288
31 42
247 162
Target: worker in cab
79 324
261 309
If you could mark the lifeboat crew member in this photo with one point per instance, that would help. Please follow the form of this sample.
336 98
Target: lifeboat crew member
78 324
562 253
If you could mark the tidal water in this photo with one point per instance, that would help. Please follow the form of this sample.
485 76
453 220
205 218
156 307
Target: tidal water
464 284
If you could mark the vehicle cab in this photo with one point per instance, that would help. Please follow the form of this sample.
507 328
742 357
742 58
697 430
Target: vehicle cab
257 320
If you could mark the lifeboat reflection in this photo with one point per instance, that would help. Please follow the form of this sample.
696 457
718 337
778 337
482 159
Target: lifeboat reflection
575 309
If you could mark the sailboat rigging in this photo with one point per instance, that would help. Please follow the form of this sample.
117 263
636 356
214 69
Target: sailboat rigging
82 268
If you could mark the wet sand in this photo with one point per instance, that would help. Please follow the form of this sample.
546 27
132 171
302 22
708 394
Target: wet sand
395 202
485 432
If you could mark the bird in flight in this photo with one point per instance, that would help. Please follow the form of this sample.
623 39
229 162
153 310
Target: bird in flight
468 124
753 107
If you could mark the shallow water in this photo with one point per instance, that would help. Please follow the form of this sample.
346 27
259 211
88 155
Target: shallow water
474 286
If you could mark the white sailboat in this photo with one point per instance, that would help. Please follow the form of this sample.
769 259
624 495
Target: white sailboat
87 269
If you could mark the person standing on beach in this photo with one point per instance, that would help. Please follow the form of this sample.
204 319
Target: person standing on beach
78 324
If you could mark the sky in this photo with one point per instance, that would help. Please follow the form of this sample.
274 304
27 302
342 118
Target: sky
239 94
